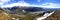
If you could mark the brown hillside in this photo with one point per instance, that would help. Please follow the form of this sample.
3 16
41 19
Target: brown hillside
55 16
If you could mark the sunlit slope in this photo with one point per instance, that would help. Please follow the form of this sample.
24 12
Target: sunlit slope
4 16
55 16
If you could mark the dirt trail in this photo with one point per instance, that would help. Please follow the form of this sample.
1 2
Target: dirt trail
55 16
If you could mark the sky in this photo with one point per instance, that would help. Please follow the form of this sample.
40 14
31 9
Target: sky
33 3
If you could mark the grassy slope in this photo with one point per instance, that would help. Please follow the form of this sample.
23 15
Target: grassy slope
55 16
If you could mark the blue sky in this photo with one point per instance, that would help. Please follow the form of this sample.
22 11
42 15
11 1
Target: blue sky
42 1
34 3
38 2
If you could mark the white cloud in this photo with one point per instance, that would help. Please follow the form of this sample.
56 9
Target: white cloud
3 1
50 5
22 3
38 0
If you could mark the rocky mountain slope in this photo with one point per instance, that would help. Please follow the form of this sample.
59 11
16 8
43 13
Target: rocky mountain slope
16 13
55 16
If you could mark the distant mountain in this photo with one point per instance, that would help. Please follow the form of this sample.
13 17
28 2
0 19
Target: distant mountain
13 8
18 9
28 9
33 9
52 8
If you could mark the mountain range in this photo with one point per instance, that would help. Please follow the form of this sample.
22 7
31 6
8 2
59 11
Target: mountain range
22 9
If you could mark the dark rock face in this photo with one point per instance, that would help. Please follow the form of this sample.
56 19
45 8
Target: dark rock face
1 9
13 8
33 9
28 9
